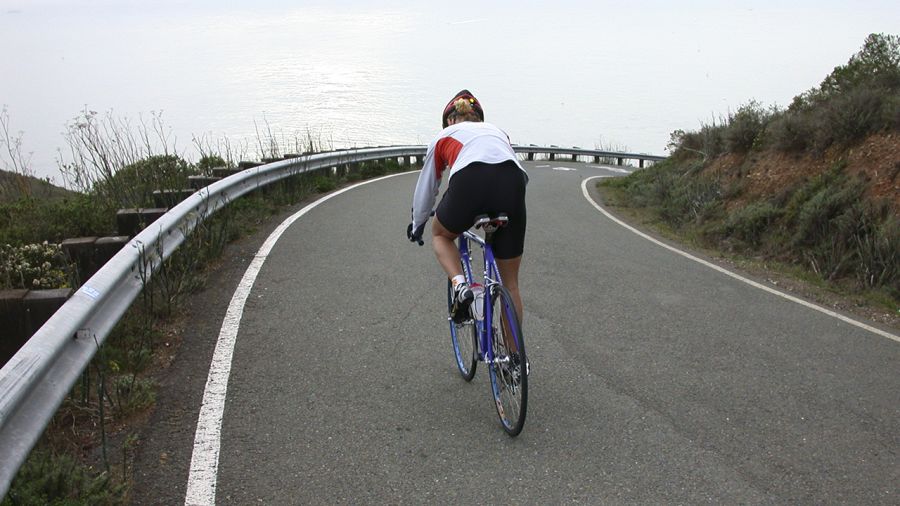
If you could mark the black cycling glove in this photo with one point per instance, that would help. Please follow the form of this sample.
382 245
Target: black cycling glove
415 235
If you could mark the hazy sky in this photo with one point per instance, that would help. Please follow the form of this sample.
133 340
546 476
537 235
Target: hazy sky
366 73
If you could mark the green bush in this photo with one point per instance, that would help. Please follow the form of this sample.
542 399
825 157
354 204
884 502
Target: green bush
709 141
58 480
840 234
877 64
751 222
678 195
692 200
28 221
826 223
134 184
792 133
132 394
855 100
879 253
209 162
854 115
324 184
745 126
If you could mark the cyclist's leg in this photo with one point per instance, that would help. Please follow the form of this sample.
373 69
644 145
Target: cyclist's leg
509 242
509 272
445 248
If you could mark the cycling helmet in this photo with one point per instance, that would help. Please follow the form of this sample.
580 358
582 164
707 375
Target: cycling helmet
466 94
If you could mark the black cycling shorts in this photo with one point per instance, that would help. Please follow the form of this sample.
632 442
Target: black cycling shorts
482 188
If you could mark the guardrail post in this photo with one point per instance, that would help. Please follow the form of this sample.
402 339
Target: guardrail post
80 251
12 320
41 304
106 247
170 198
131 221
223 172
198 182
245 165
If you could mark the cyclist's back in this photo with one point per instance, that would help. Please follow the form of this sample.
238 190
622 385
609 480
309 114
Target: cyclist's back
457 147
484 177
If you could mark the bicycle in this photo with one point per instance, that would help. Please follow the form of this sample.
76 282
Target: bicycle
494 330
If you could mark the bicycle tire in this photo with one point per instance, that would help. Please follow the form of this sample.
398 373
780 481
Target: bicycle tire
464 338
509 375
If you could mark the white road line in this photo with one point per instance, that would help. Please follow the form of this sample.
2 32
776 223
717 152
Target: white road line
584 189
201 485
613 169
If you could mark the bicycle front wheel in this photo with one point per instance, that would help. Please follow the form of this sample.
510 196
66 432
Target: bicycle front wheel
464 337
509 365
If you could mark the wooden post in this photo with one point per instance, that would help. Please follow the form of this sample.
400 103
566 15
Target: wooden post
41 304
131 221
12 318
80 251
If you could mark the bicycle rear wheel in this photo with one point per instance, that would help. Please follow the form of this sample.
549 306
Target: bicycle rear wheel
509 366
464 337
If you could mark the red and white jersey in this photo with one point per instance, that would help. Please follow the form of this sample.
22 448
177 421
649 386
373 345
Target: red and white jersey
455 148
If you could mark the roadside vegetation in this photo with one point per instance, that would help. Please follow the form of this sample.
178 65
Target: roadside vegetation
86 452
811 189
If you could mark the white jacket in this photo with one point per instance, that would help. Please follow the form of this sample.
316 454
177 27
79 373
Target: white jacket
456 147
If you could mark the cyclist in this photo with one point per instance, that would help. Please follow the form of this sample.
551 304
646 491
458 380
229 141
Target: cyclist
485 177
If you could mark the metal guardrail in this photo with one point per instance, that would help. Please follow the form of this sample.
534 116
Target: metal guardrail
36 380
574 152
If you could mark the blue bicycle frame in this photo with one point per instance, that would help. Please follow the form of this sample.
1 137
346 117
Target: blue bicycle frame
491 278
499 344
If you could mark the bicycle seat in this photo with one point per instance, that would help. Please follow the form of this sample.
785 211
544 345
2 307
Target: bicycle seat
491 224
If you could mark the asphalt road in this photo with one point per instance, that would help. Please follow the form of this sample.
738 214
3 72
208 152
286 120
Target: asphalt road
655 380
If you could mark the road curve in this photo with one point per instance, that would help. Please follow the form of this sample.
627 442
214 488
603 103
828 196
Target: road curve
654 379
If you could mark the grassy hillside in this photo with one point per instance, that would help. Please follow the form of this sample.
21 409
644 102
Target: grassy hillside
814 188
15 186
